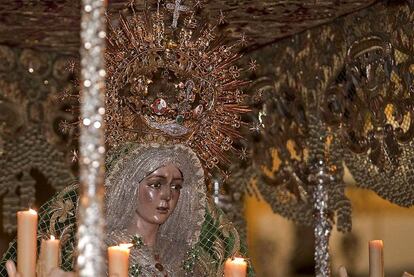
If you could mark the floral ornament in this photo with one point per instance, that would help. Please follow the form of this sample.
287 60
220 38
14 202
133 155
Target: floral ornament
137 241
225 226
61 209
189 263
135 270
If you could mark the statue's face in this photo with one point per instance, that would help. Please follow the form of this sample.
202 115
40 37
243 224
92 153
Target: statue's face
158 194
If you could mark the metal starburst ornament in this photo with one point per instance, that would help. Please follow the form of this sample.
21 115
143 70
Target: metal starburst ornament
171 80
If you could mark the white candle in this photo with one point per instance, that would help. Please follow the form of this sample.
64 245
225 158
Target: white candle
236 267
50 255
26 243
118 260
376 258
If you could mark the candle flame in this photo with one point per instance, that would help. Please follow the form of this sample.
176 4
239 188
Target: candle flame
52 237
376 243
126 245
32 211
238 260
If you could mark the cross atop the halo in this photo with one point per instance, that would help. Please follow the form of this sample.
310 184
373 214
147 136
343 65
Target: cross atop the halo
176 8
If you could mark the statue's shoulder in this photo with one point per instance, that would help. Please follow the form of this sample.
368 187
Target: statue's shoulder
57 217
219 240
59 212
226 242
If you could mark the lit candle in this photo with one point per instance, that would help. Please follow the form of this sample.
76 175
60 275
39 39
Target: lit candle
118 260
236 267
50 254
26 243
376 258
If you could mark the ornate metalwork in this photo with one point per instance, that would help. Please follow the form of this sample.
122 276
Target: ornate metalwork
322 230
321 177
176 8
360 72
173 84
91 253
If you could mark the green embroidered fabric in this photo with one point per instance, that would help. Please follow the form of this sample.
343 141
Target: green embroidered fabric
56 217
218 240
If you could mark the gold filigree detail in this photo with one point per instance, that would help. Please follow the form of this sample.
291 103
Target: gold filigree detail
176 85
62 209
205 264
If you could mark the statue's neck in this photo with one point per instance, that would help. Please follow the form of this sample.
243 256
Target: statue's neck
148 231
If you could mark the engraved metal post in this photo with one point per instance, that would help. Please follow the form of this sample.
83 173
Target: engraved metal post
321 178
91 252
322 230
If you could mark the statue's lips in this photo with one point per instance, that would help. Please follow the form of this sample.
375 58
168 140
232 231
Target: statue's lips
163 210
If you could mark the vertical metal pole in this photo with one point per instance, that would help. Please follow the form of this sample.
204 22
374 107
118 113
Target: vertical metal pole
320 178
322 230
91 233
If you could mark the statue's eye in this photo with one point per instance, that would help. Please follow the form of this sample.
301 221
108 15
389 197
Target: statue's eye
176 187
155 185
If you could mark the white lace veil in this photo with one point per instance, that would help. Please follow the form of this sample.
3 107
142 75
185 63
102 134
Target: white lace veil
133 163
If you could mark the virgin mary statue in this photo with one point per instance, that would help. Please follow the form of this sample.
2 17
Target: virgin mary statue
156 200
173 107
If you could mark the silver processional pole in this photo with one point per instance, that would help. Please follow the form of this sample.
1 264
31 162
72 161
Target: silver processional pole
91 252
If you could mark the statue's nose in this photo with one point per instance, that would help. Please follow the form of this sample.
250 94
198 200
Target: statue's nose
165 192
